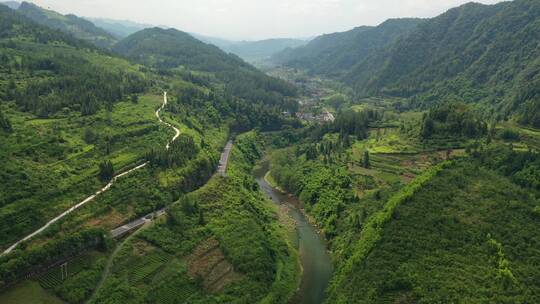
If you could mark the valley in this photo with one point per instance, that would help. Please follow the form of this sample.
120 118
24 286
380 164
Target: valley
390 163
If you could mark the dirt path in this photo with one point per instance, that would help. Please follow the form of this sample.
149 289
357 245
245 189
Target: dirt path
107 269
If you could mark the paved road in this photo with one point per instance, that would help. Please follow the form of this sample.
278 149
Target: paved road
224 161
136 224
107 187
166 123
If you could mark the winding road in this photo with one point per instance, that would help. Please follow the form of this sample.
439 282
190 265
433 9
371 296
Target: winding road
104 189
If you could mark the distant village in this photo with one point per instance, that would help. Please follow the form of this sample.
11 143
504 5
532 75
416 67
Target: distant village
310 110
321 118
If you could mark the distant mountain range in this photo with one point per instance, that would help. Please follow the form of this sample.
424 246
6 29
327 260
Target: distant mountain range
254 51
119 28
106 32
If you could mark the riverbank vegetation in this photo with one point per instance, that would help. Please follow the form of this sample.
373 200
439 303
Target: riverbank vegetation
357 186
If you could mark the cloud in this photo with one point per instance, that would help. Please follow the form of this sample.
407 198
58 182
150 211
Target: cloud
256 19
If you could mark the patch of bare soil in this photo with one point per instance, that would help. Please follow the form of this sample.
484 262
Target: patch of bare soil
208 263
142 248
408 177
109 220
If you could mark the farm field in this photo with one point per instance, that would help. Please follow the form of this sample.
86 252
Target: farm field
51 162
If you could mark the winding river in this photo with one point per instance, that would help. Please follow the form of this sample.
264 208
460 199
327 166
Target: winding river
316 263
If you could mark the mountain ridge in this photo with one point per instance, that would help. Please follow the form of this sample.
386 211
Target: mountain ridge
71 24
333 54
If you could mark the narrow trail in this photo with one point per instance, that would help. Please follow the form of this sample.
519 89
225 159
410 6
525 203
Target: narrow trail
107 269
104 189
166 123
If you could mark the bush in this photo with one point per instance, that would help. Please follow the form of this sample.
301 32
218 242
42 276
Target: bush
509 135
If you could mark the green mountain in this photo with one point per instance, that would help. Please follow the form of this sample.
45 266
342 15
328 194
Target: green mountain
170 48
71 24
50 76
119 28
473 53
482 54
335 54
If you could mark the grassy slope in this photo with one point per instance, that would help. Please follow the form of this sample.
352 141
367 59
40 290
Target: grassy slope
49 159
441 246
49 165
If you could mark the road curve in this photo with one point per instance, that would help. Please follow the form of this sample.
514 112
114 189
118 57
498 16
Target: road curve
166 123
107 187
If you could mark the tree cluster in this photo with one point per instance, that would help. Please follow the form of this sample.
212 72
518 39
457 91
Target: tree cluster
106 171
77 85
452 119
5 124
179 153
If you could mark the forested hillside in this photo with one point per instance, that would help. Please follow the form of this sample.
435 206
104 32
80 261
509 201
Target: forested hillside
335 54
457 239
401 162
219 244
70 24
411 204
473 53
167 49
58 98
72 116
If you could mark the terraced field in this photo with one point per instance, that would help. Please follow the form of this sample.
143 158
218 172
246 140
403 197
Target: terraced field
208 263
149 266
54 277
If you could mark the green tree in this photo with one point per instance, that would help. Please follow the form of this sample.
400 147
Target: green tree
428 127
90 136
202 220
365 160
106 171
5 124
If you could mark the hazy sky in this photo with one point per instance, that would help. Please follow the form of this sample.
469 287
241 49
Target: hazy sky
256 19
